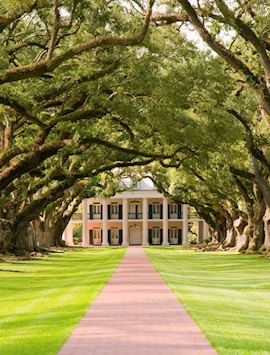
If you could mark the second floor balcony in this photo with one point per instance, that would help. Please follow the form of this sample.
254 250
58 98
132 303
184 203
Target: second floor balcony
115 211
135 215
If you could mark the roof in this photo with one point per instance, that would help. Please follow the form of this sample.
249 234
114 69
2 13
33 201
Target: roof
145 184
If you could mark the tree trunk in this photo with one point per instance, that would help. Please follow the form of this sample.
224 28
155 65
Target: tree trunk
50 229
257 239
265 190
230 239
266 221
244 230
25 241
217 233
5 235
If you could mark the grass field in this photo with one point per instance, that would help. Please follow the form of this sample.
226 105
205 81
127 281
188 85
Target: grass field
228 295
41 303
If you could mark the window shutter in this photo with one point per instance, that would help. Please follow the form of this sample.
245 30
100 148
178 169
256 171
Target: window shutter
180 236
169 215
161 211
161 236
150 211
101 233
101 211
179 210
120 236
109 211
91 212
150 236
120 211
109 237
91 237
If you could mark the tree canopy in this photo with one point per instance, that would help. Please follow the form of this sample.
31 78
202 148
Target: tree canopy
91 90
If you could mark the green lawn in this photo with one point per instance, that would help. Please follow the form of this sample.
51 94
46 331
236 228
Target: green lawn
228 295
40 304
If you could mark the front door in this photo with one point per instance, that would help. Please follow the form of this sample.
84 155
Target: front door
96 237
173 236
156 236
135 235
115 236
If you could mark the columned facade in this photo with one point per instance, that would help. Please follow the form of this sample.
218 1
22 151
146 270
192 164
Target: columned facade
145 240
165 224
85 230
125 222
105 241
135 217
185 225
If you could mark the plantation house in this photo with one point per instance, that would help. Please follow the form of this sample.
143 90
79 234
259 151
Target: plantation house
138 216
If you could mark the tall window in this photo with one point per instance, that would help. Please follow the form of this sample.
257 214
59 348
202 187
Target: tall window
173 208
156 208
97 234
96 208
135 210
114 233
114 208
155 232
173 233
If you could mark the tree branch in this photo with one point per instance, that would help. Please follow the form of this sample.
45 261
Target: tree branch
46 66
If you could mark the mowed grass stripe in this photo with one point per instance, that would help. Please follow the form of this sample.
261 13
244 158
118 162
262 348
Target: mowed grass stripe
228 295
40 307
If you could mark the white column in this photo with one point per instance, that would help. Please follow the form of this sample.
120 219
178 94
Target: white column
69 234
64 235
85 230
165 222
205 230
105 223
185 225
145 223
125 222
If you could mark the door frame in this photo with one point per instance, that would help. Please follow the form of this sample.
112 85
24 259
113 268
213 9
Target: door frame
136 227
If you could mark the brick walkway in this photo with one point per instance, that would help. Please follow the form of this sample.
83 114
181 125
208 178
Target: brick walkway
136 314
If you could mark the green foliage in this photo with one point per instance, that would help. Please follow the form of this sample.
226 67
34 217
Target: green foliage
77 234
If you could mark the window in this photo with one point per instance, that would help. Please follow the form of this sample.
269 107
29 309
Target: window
114 233
135 210
114 208
173 233
97 234
96 208
173 208
155 232
156 208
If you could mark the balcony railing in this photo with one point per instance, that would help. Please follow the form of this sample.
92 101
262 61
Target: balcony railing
175 215
135 216
114 216
95 216
155 216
